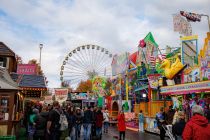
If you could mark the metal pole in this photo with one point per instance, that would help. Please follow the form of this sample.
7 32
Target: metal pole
40 55
207 19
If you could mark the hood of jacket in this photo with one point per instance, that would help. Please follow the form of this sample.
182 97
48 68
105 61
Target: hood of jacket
199 120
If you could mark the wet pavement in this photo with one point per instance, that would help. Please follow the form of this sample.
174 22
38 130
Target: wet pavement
129 135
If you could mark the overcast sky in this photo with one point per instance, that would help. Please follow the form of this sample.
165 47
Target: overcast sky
118 25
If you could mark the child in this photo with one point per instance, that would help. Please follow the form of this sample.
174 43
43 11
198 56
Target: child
141 121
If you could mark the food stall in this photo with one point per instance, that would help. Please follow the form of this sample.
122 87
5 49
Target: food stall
8 103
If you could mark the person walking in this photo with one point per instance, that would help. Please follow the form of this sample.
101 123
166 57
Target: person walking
178 127
71 122
141 121
198 127
87 123
40 122
106 121
121 125
99 123
160 117
79 118
170 115
53 125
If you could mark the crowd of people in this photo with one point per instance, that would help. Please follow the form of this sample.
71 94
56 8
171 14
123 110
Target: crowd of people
55 122
195 128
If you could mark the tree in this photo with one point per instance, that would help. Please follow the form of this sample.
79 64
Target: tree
84 86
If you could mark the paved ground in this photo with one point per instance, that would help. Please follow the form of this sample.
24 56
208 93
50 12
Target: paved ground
129 135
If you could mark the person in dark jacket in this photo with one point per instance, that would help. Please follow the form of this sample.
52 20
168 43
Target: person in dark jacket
78 122
170 115
178 127
198 127
160 117
99 122
40 122
87 123
53 125
71 122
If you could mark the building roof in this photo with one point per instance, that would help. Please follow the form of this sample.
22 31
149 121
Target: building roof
5 50
29 81
6 81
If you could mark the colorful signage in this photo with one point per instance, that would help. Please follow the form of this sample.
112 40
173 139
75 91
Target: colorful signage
98 86
186 88
61 94
153 80
193 76
79 96
205 67
29 69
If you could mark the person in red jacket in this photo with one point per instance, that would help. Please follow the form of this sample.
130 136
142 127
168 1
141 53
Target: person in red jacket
198 127
99 122
121 124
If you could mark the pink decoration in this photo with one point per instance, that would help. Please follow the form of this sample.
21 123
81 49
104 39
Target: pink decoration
142 44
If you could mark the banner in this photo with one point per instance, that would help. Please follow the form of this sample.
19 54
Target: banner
205 67
153 80
61 95
48 99
181 25
79 96
120 63
29 69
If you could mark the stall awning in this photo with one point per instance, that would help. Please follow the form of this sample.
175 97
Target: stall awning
186 88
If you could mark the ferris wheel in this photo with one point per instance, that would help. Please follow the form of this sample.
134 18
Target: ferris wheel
85 62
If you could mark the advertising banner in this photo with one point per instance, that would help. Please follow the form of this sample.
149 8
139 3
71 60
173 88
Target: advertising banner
181 25
61 94
79 96
29 69
153 80
186 88
48 99
205 67
120 63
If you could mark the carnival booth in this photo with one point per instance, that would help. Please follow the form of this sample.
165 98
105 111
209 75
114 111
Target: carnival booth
9 103
195 86
82 99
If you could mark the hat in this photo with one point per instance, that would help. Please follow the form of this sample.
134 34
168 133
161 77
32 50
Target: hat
36 111
196 109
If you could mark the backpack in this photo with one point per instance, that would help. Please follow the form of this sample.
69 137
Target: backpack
63 122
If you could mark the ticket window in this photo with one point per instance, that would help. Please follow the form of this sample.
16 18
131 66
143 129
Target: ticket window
4 108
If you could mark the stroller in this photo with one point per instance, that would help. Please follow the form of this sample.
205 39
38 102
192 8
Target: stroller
168 129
